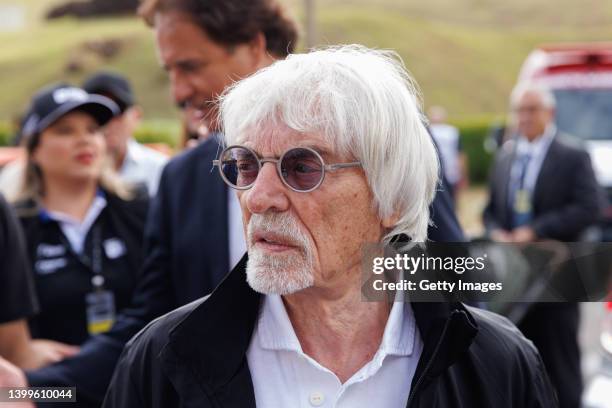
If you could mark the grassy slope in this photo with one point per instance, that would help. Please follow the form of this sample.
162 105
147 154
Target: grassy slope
464 53
29 60
469 68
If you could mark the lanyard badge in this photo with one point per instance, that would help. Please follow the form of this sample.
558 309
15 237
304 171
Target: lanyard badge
522 201
100 307
100 302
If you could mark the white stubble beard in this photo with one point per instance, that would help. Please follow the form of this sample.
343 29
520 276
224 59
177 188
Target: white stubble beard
280 274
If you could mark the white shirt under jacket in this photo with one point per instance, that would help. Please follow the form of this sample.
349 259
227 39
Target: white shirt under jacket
284 376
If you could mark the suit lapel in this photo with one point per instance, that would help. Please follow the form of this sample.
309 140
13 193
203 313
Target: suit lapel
503 182
214 207
205 358
547 172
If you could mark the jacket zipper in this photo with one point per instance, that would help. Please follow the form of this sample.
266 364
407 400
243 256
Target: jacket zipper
428 365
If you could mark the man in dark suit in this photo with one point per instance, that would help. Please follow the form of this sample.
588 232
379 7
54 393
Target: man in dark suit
192 239
543 187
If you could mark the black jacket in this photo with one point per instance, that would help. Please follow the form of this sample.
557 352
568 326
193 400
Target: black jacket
195 356
187 255
63 278
17 293
566 197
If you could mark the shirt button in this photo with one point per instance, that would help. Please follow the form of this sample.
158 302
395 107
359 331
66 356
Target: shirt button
317 399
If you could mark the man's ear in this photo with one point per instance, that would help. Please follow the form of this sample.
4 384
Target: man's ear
258 48
390 221
135 113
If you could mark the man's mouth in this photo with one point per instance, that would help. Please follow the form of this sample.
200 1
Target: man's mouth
273 242
197 116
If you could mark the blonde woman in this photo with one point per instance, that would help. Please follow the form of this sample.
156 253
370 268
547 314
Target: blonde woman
83 228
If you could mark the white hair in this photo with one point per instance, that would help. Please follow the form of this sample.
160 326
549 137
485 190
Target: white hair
366 104
545 94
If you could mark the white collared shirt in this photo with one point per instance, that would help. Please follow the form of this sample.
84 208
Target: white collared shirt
284 376
448 141
142 165
74 230
537 151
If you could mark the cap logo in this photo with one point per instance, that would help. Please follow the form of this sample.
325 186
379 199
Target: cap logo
64 95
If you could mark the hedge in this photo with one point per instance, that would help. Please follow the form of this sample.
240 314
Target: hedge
473 135
6 133
157 131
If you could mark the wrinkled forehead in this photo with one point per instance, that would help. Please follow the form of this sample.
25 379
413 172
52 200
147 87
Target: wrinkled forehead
530 98
272 137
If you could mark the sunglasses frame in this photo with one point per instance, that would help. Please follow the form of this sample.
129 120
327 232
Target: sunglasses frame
263 160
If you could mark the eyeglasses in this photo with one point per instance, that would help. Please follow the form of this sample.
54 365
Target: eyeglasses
301 169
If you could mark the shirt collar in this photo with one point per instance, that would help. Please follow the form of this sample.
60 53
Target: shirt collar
276 332
94 210
539 145
133 153
398 338
275 329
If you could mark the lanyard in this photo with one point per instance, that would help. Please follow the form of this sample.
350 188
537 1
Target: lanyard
95 261
97 279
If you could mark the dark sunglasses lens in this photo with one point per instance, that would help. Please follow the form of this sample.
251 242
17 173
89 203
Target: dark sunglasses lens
239 166
302 169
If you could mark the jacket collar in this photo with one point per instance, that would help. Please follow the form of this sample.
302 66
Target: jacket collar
206 350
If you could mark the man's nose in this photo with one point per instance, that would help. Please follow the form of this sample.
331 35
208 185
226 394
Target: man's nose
268 192
182 90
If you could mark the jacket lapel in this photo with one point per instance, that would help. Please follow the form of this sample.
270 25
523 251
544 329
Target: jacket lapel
547 172
205 357
448 330
214 209
503 181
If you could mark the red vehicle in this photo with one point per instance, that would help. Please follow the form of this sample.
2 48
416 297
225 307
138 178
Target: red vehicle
580 75
597 393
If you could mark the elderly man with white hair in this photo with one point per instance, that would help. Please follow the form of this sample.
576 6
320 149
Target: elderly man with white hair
327 152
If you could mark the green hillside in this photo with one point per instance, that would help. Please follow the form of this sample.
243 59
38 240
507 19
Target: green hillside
464 53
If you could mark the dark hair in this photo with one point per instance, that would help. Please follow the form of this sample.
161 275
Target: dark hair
233 22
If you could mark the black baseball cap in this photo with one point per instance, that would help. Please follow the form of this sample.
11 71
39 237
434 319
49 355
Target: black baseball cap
112 85
52 102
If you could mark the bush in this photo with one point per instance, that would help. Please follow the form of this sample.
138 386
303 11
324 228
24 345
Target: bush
161 131
473 134
6 133
166 132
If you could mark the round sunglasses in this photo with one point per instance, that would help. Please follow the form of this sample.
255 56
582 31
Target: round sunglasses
302 169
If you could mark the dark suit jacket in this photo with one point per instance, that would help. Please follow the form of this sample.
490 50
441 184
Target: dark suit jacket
565 198
186 241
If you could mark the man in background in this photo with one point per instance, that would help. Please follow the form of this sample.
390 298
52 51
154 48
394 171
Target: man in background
543 187
135 163
450 150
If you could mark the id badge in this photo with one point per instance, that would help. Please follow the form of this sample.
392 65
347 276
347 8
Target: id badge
522 202
100 311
